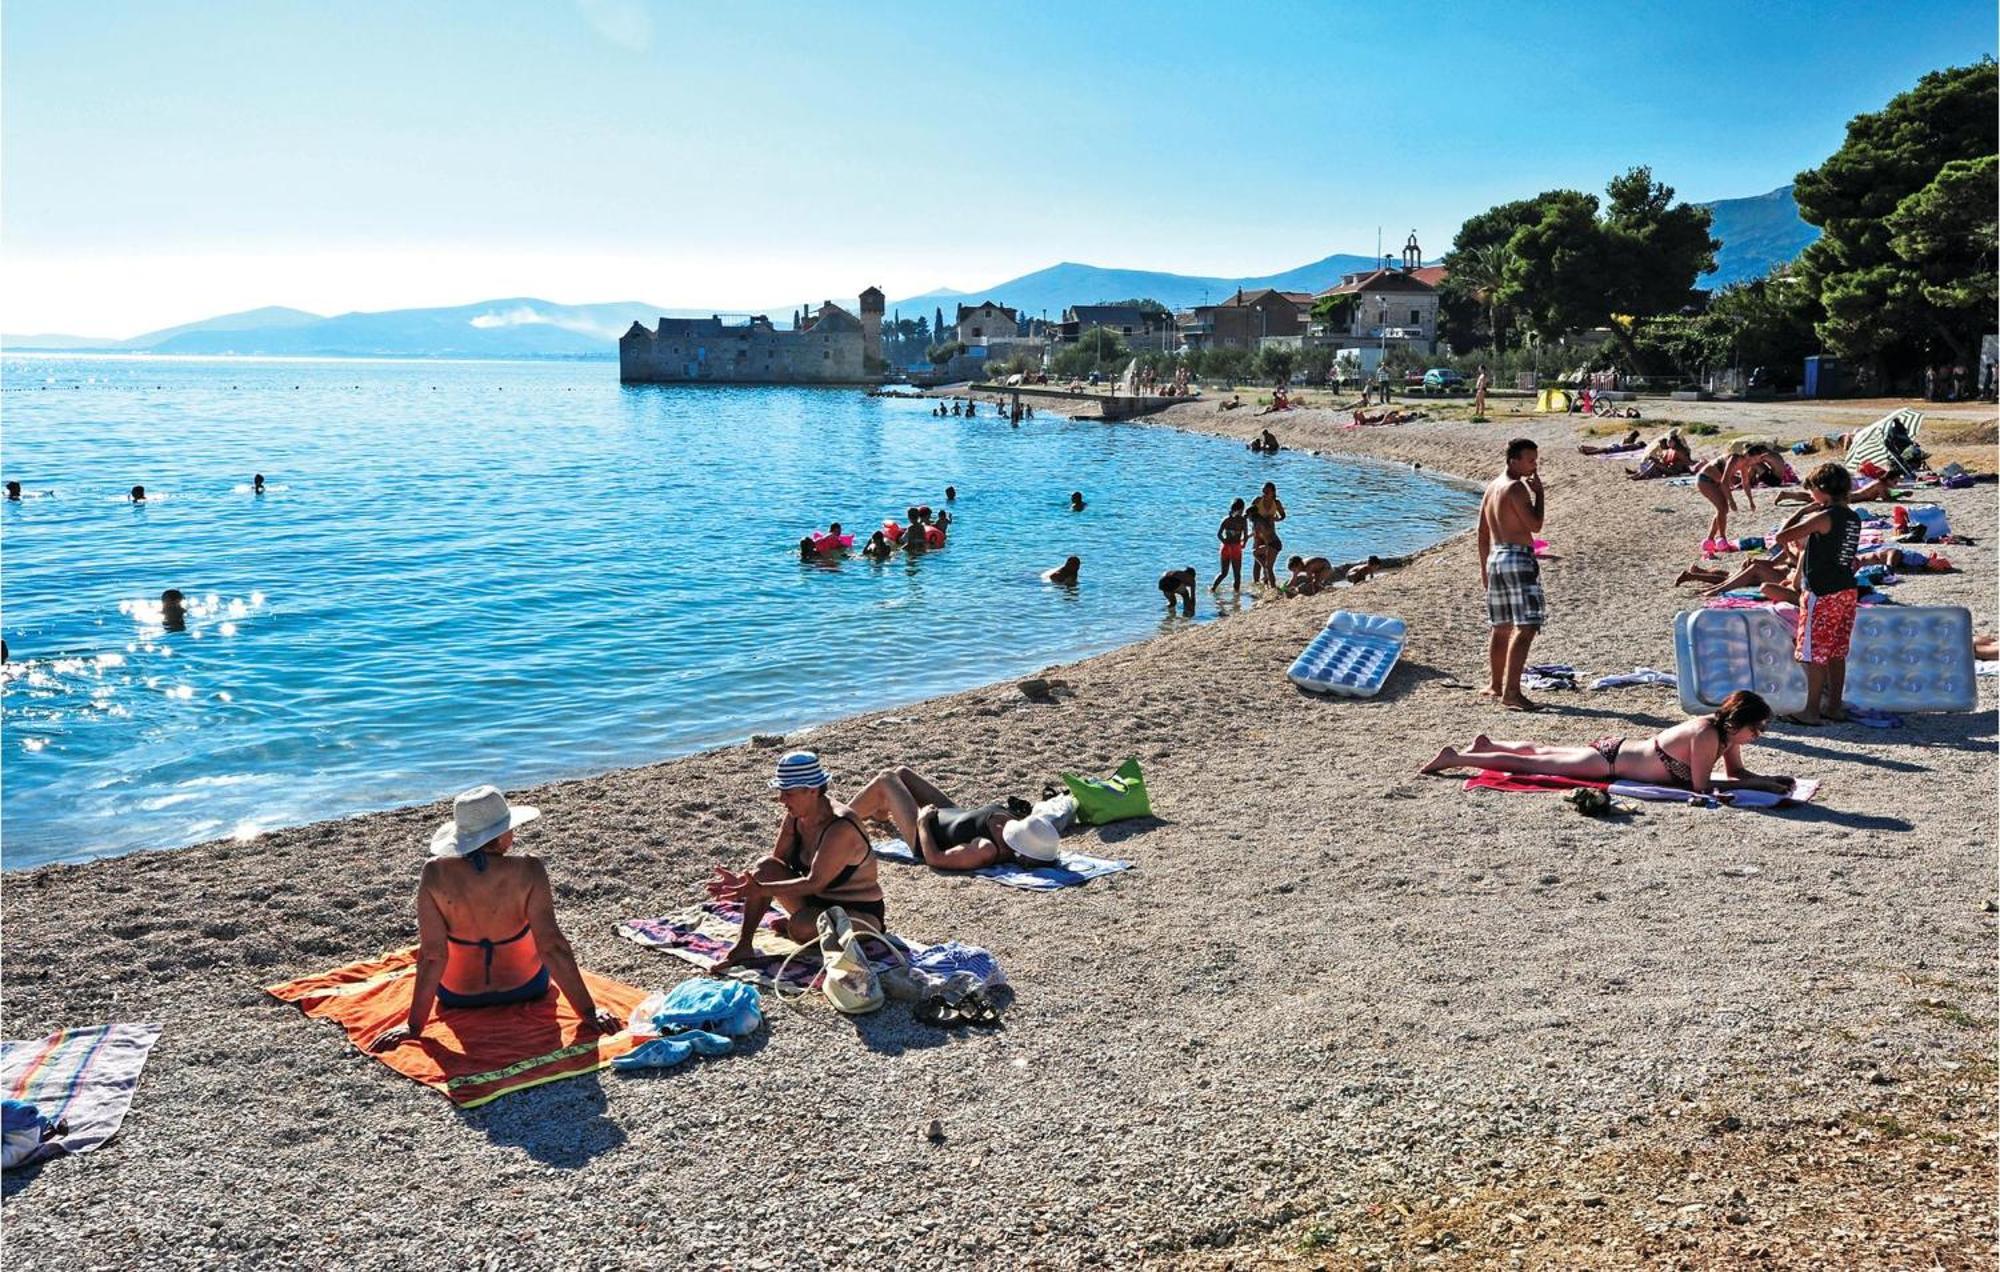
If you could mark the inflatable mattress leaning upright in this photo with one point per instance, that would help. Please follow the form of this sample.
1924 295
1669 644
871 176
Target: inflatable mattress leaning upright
1352 656
1903 658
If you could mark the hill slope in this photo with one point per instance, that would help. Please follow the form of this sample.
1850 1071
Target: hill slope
1070 283
1757 233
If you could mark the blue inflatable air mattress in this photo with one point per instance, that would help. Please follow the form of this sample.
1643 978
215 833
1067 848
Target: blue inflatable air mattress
1352 656
1903 658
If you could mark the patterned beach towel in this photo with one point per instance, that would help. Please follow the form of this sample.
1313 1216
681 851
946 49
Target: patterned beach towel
1069 869
468 1055
702 934
1803 792
85 1077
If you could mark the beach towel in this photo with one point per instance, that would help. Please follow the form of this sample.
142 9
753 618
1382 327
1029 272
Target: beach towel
469 1055
703 934
1803 792
1548 676
84 1077
1636 676
1068 869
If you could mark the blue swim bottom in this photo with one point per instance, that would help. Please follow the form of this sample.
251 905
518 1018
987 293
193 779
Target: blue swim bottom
536 986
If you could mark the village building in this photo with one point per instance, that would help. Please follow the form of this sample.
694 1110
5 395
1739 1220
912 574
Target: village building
1397 305
1246 319
1137 327
829 346
985 322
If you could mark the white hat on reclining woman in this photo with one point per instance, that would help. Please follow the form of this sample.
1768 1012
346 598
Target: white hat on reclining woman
1034 838
478 817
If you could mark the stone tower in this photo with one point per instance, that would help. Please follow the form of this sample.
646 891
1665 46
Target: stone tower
871 324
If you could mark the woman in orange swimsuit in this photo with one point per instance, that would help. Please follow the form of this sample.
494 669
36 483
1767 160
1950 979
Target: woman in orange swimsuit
1685 755
486 923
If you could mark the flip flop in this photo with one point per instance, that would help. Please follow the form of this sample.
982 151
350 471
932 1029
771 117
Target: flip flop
1804 723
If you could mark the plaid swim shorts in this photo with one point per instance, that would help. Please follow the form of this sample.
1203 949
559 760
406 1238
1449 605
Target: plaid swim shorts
1514 587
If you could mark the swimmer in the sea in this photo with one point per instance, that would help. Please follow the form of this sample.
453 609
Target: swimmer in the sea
950 494
878 548
1076 501
1178 587
14 492
807 551
257 484
173 612
138 494
1066 572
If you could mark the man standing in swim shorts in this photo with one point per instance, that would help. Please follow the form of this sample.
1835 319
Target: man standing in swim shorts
1509 516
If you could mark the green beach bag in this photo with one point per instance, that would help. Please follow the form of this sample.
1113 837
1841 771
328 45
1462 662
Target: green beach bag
1101 801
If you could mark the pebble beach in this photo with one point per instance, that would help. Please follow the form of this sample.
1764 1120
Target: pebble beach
1339 1015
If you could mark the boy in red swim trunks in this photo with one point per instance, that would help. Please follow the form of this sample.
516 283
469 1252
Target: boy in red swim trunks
1230 535
1831 537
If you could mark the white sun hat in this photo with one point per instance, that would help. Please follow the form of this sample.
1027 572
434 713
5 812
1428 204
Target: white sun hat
1034 838
478 817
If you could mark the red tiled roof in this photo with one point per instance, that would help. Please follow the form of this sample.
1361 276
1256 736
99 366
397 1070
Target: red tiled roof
1382 280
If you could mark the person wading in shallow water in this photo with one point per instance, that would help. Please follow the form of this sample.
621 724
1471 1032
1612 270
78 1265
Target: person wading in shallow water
1509 516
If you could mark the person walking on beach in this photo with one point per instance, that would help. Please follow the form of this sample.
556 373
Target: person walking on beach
1828 539
486 923
1230 535
1479 394
821 860
1509 516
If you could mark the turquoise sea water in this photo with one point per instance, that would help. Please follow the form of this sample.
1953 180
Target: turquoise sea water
512 572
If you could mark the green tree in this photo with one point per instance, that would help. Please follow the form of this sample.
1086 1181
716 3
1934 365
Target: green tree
1097 349
1878 303
1559 274
1475 282
1657 247
942 353
1144 304
1334 312
1275 363
1945 234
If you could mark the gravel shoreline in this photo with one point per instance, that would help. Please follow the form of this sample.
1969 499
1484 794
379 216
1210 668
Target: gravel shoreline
1340 1014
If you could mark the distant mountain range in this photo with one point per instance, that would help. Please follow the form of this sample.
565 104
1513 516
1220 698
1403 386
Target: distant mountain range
1756 234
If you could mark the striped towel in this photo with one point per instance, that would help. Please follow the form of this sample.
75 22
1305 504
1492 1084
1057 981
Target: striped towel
85 1077
1871 444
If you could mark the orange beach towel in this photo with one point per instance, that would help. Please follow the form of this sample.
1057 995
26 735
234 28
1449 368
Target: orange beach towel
469 1055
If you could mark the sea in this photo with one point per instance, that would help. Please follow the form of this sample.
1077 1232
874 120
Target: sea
512 572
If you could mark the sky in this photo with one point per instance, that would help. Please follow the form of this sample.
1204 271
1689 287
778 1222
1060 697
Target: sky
163 161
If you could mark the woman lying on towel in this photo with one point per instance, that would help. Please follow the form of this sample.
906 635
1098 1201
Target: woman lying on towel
821 860
1684 755
486 924
946 836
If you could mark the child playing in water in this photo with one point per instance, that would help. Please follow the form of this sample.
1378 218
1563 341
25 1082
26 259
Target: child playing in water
1230 535
1065 573
1828 540
878 548
1178 587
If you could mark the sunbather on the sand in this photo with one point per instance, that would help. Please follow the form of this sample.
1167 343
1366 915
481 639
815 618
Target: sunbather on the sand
1684 755
486 923
1631 443
947 837
821 860
1906 560
1866 490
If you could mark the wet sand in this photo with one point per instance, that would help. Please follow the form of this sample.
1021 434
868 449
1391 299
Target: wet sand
1340 1014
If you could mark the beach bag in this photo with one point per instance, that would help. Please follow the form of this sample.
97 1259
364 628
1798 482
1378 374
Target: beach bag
846 978
1058 810
726 1007
1101 801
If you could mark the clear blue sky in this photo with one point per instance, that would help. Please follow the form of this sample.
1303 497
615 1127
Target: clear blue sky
166 161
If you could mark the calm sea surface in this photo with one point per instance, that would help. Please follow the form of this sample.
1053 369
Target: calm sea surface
512 572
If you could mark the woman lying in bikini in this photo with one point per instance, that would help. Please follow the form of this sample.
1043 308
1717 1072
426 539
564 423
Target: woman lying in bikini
1684 755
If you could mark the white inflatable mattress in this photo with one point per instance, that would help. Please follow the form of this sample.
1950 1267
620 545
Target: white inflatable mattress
1352 655
1903 658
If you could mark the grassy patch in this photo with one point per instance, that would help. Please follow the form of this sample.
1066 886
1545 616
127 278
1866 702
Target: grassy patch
1950 1013
1318 1237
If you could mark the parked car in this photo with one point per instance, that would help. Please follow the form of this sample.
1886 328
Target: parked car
1443 380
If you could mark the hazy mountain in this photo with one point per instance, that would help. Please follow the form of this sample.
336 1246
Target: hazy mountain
1756 233
1060 286
248 320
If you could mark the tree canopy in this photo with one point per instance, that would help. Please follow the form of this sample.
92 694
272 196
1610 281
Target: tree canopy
1144 304
1904 262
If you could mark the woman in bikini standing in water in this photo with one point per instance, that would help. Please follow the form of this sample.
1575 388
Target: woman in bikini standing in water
1266 511
1684 755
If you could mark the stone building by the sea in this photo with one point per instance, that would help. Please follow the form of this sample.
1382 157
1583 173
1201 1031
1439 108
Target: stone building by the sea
827 346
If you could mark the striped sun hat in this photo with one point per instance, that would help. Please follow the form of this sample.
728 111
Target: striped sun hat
799 770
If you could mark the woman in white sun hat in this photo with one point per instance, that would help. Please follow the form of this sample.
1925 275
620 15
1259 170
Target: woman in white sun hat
486 924
821 860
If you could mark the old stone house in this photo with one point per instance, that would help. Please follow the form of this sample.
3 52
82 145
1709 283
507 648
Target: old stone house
830 346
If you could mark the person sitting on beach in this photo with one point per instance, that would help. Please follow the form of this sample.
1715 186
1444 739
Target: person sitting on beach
1356 571
1771 572
1178 586
486 923
1868 490
1309 577
1684 755
1669 457
1076 501
945 836
1065 573
821 860
878 548
1230 535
